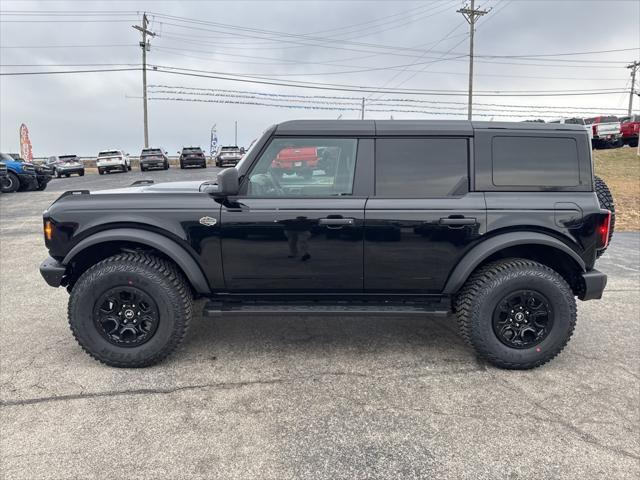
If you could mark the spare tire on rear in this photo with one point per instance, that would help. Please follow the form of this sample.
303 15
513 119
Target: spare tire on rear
606 201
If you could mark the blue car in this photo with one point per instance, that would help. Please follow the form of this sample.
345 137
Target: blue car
22 175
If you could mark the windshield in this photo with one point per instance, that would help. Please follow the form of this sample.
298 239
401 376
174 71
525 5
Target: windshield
4 156
610 119
68 158
109 153
247 154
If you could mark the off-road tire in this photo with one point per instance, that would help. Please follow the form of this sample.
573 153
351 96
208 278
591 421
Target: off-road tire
10 183
41 187
160 279
58 174
100 171
487 286
81 173
181 166
606 201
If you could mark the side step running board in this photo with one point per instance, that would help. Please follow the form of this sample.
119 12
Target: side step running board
215 309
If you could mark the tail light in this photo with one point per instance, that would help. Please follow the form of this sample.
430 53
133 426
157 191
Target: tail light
594 128
603 230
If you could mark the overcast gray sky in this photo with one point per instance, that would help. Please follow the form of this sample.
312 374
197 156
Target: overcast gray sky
354 43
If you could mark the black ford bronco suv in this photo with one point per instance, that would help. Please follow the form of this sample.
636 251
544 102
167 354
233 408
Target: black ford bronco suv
498 223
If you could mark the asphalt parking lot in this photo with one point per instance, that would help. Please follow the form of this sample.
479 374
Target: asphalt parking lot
311 397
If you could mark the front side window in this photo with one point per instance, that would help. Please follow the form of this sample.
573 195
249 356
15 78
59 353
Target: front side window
421 167
305 167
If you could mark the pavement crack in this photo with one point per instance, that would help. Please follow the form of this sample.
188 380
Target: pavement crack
139 391
215 385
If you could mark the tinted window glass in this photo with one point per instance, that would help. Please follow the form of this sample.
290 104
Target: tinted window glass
574 121
535 161
305 167
421 167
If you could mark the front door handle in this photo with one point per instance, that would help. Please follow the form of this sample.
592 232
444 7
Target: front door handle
458 221
336 222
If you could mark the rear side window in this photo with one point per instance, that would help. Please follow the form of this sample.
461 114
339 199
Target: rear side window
421 167
535 162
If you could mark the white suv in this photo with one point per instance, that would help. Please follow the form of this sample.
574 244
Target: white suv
113 160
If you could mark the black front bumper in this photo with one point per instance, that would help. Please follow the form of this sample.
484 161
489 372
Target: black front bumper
593 283
53 272
28 181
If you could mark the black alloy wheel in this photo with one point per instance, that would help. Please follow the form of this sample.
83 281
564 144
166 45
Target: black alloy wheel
126 316
523 319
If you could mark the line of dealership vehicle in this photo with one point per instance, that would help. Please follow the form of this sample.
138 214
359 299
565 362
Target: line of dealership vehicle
608 131
16 174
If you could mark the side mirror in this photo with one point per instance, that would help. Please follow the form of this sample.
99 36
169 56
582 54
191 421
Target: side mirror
228 183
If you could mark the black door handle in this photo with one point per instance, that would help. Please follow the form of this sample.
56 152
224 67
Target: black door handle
336 222
458 221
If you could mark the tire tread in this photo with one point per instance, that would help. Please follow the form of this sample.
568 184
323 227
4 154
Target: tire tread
176 282
478 285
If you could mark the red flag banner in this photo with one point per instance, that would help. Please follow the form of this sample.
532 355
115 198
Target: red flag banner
25 144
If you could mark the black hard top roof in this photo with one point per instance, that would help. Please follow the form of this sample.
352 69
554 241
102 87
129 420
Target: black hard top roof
407 127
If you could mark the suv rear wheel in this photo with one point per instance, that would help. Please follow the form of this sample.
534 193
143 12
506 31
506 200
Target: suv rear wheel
516 313
130 310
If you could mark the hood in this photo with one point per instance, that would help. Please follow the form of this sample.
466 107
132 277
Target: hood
166 187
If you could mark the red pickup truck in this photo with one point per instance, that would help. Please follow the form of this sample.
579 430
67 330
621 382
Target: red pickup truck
630 128
299 160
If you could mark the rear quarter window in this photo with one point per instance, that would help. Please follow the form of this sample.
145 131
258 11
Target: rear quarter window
535 162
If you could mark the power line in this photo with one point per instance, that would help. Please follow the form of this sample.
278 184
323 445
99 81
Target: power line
61 72
345 98
324 86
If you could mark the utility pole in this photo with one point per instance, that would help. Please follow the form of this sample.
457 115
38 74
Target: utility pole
634 68
362 110
470 14
145 46
236 134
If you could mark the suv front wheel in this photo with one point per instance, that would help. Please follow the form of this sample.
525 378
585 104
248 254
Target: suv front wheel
130 310
516 313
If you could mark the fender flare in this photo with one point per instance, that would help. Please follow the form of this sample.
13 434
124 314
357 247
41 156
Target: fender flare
485 249
169 247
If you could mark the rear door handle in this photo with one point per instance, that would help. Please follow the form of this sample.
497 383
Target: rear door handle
336 222
458 221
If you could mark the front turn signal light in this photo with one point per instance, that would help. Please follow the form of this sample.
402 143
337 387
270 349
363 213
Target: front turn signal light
48 230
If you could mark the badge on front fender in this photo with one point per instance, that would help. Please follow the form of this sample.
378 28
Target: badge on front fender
208 221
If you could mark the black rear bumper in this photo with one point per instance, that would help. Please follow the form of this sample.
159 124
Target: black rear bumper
593 283
52 271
